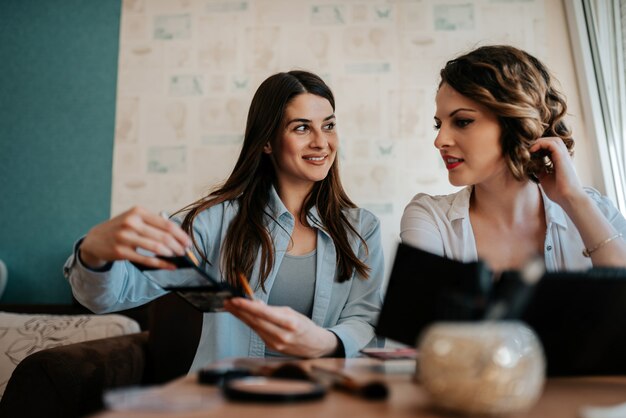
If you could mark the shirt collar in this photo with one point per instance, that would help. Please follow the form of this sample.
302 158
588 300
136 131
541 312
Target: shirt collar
278 210
554 213
276 206
459 208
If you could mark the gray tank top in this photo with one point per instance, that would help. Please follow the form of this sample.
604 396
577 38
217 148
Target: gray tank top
294 286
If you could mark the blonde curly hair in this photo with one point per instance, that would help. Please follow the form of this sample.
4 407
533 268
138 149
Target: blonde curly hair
519 89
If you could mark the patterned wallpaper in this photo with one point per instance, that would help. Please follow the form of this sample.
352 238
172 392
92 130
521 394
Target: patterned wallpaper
188 70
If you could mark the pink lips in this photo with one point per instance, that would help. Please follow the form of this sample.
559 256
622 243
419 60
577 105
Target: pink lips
452 162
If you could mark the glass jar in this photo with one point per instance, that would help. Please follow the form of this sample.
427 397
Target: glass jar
481 367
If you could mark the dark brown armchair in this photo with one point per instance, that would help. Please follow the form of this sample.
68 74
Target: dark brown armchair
69 381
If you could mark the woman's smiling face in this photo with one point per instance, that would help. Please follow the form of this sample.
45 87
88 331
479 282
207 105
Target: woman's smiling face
306 146
468 138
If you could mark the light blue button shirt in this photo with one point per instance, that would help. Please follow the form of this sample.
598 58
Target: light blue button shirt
349 309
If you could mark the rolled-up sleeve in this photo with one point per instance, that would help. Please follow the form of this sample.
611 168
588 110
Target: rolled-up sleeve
608 209
121 286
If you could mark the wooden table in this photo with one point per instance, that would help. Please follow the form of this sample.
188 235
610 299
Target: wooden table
562 397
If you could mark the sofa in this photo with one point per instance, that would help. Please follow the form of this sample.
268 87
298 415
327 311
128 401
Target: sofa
23 334
70 380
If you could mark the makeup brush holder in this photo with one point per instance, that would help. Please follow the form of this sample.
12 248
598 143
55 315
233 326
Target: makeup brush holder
481 367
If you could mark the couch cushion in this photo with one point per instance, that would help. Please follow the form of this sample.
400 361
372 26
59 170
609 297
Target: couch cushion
69 381
24 334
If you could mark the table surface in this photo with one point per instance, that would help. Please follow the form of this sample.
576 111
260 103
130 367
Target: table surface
186 398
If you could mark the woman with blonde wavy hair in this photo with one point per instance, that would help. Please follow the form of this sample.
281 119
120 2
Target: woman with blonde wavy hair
501 132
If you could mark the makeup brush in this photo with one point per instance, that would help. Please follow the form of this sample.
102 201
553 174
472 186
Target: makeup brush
285 370
371 389
327 377
512 293
246 286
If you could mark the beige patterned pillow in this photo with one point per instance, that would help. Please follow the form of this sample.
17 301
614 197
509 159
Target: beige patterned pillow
24 334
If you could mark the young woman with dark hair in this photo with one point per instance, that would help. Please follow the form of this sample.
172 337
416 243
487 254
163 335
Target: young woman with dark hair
281 218
501 131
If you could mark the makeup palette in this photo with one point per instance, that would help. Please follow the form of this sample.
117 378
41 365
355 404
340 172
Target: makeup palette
271 389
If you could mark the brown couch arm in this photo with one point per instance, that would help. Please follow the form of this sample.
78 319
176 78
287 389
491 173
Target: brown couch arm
69 381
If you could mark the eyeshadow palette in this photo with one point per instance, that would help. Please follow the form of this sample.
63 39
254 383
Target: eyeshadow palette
271 389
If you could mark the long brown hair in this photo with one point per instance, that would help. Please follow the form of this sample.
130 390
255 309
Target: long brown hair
519 89
251 181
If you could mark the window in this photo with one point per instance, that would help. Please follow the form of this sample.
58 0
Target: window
598 40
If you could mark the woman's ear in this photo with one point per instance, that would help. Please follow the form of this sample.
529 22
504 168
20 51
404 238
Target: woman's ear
267 148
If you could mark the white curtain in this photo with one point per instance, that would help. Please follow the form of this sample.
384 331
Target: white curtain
604 20
598 41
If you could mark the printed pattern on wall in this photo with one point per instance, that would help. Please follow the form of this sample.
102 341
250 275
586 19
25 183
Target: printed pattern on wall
188 70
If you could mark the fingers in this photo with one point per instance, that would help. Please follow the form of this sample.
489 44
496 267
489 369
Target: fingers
282 317
152 239
273 336
121 237
148 261
140 228
554 145
559 161
259 325
130 238
169 229
274 333
561 184
283 329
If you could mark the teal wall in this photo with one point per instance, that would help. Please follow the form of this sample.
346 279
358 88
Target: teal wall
58 72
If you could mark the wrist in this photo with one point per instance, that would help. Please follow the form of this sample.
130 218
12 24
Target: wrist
330 344
579 201
588 251
340 350
89 261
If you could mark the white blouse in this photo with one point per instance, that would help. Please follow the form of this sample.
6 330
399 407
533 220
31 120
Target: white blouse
441 225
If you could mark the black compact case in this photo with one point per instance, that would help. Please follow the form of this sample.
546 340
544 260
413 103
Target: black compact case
424 287
579 316
272 389
205 293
